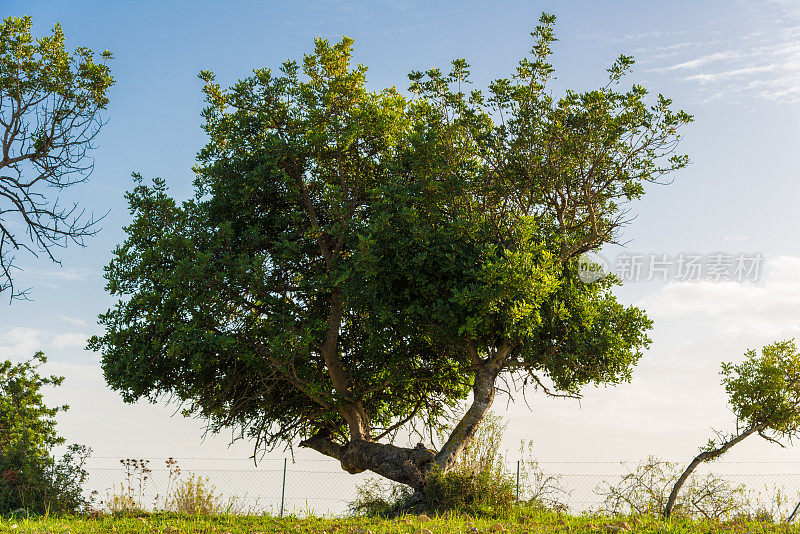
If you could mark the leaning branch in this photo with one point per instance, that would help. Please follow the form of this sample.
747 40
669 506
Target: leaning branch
705 456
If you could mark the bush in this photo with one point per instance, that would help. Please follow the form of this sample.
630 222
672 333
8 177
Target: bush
480 493
479 484
30 477
195 495
644 491
376 497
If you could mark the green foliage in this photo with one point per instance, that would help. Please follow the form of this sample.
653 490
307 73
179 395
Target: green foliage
764 390
483 493
50 101
359 254
42 65
30 478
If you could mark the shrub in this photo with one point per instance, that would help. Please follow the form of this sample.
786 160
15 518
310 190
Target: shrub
30 477
644 491
478 484
377 497
481 493
195 495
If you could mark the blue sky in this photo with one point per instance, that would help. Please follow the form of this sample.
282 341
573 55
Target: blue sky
735 65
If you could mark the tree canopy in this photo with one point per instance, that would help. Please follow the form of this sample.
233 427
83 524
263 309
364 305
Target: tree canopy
356 263
764 389
50 102
764 393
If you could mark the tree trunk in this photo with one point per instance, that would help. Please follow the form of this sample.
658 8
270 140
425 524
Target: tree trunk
351 411
483 392
409 466
404 465
702 457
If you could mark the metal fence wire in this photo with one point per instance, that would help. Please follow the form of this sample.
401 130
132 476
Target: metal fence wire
278 486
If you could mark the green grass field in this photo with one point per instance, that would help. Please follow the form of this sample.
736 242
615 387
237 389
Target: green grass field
541 522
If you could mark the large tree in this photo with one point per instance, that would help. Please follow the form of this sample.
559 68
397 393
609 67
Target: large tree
358 263
50 104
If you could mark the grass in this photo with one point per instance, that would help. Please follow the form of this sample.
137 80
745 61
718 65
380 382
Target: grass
523 521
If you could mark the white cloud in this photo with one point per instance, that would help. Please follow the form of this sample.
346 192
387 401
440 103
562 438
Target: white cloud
731 73
767 309
73 274
646 35
694 63
56 275
73 320
788 8
71 339
19 343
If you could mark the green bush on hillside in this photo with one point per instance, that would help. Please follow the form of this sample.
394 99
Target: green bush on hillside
31 479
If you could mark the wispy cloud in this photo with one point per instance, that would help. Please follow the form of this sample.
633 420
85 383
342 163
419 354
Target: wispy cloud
56 276
788 8
695 63
70 275
731 73
647 35
736 238
70 339
758 59
73 320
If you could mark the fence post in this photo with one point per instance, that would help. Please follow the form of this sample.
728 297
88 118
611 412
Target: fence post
283 485
517 479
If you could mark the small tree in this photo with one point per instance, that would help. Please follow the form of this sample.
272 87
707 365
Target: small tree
764 393
49 117
30 477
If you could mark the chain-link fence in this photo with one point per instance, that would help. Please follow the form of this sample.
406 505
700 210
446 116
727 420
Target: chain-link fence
321 487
